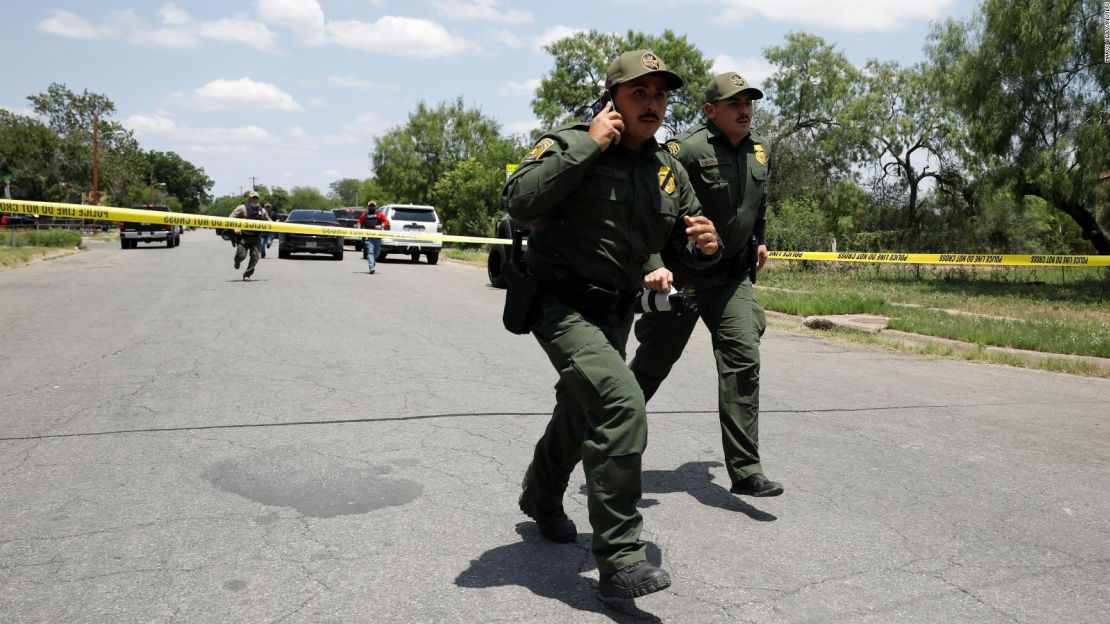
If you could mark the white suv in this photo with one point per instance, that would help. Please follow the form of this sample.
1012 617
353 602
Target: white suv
418 220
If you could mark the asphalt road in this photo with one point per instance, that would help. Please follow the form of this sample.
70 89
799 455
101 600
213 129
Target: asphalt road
323 445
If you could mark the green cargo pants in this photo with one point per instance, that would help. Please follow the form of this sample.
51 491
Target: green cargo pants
599 418
735 322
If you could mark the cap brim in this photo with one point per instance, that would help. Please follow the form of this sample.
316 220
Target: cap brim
671 78
756 93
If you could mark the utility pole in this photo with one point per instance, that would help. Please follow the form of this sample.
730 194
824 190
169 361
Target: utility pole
253 178
95 155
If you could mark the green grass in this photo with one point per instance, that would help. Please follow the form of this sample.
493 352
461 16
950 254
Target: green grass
470 255
16 256
1048 335
41 238
1049 310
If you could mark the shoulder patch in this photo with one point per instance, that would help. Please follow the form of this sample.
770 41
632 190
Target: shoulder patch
539 149
666 180
674 148
760 155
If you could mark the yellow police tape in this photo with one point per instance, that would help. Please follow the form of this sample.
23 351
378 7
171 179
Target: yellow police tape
948 258
106 213
135 215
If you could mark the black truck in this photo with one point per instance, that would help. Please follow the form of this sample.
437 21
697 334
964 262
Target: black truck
131 234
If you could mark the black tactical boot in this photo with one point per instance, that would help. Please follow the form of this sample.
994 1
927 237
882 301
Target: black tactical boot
757 485
553 524
639 579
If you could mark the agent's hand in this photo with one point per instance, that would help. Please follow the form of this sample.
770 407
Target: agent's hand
606 128
704 234
760 258
237 231
660 279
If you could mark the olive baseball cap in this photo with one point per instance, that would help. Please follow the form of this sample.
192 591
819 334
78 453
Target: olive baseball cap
727 85
253 194
636 63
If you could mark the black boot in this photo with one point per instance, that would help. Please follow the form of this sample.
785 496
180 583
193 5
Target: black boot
639 579
553 524
757 485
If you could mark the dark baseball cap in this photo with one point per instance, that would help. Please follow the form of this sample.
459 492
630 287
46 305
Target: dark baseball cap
727 85
636 63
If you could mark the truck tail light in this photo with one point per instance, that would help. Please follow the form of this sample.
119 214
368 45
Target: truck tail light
439 227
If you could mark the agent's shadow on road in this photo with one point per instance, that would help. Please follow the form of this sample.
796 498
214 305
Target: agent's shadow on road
695 479
552 571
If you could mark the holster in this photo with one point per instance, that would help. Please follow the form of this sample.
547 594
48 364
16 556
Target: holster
522 297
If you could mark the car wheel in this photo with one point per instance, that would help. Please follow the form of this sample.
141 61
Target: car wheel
381 256
433 257
414 256
123 243
283 253
495 267
337 255
169 242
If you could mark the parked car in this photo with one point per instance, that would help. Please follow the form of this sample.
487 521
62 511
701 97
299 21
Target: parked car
417 220
499 254
131 234
14 219
348 218
289 243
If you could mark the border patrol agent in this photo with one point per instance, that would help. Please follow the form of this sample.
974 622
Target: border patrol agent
602 197
727 164
250 240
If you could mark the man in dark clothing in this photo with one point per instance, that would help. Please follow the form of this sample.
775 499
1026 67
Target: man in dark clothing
602 196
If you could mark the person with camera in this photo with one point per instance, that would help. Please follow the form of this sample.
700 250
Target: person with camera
248 241
602 197
727 164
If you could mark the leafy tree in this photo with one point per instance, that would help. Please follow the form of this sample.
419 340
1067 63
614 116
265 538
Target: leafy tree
310 198
28 150
182 179
278 197
582 60
467 197
802 116
1030 84
410 159
346 191
369 189
898 125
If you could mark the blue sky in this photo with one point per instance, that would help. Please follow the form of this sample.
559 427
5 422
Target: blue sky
292 92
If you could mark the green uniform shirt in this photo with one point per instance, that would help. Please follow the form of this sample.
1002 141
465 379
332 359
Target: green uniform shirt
730 183
601 214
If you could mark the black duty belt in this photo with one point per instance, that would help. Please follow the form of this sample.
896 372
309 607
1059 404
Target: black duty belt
597 303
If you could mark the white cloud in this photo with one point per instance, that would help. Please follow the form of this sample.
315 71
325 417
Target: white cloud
402 36
150 124
173 15
507 38
303 17
238 30
330 174
528 87
754 70
485 10
157 124
243 93
857 15
555 33
317 102
66 24
178 31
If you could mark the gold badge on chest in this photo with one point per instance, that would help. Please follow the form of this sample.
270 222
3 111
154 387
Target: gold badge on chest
760 155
